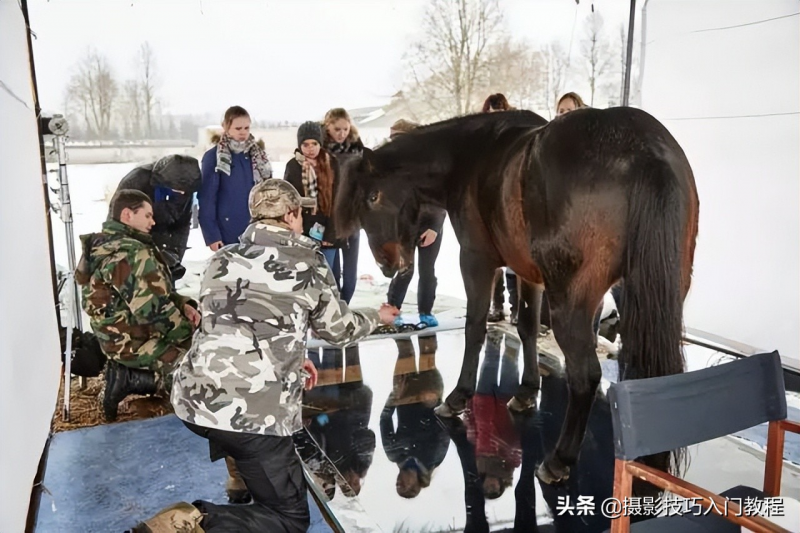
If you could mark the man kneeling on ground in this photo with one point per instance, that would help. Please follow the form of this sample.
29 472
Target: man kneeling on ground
143 325
241 384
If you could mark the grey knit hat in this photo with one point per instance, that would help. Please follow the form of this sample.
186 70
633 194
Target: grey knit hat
309 130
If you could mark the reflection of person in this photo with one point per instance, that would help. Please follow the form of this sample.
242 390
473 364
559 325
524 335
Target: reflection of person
143 325
240 385
489 425
171 183
337 412
419 443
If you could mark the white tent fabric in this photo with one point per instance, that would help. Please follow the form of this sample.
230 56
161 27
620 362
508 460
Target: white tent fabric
29 345
724 77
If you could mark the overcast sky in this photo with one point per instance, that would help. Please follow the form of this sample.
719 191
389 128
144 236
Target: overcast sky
285 60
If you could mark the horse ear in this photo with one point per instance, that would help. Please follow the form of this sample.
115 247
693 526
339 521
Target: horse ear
367 163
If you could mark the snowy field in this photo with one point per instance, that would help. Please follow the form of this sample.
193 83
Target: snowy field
91 187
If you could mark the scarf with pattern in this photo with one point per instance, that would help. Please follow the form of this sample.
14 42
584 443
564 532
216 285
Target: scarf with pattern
309 178
262 170
321 192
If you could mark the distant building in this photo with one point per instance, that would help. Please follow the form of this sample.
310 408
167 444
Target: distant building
373 123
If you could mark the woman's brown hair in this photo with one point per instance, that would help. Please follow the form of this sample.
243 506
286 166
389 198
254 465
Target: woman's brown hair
498 102
231 114
325 178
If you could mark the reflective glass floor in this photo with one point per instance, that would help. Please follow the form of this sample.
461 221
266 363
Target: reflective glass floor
382 461
398 467
379 459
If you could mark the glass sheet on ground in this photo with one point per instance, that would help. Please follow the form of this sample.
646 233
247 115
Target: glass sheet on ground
384 461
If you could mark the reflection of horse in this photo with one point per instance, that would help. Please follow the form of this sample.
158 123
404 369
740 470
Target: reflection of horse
536 435
419 442
336 413
574 205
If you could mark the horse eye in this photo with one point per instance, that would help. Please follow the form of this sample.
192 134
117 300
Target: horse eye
373 197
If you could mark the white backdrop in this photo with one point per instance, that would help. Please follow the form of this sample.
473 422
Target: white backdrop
747 268
29 345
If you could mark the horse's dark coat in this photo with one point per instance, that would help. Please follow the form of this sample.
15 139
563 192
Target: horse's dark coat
574 205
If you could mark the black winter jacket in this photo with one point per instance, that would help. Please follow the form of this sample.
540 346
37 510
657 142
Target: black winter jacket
172 211
294 175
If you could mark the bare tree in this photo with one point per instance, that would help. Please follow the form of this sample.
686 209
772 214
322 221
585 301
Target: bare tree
132 109
516 69
555 65
595 50
449 62
148 83
92 93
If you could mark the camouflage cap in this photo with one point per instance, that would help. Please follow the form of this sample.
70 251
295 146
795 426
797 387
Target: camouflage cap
275 197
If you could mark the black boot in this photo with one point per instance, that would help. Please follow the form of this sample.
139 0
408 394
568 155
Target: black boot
122 381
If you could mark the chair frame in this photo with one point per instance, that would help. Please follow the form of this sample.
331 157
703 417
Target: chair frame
625 471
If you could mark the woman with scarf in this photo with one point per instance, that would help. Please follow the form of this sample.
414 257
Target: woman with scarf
342 140
313 172
230 169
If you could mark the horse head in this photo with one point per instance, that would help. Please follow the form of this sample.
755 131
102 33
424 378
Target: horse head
380 199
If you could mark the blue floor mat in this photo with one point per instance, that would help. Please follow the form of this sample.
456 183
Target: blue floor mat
108 478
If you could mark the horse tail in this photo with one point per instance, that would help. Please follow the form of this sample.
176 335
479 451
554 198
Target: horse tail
651 321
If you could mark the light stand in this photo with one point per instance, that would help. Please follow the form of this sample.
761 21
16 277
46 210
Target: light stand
58 127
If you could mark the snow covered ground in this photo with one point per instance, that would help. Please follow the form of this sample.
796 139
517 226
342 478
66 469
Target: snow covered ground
91 187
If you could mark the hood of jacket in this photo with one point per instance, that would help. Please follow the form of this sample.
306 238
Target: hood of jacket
179 172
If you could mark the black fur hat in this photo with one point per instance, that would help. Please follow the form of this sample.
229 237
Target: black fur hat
309 130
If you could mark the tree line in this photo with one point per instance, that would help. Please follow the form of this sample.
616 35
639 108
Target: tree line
463 54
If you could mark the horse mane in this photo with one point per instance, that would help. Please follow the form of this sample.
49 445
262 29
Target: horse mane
426 143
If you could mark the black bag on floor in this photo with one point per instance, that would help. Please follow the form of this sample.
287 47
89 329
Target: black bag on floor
88 360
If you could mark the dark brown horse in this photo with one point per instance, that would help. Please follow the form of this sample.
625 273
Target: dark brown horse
573 205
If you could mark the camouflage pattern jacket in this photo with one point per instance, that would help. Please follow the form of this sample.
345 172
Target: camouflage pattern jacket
258 299
128 294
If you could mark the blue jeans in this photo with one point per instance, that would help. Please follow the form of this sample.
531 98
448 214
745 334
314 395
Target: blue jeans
331 254
345 267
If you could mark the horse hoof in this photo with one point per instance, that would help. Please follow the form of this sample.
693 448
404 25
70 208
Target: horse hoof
518 406
444 411
552 471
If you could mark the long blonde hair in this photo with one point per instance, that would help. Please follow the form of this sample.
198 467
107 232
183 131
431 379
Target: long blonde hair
338 113
577 100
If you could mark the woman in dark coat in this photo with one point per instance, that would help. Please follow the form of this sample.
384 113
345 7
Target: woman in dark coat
340 138
314 172
170 183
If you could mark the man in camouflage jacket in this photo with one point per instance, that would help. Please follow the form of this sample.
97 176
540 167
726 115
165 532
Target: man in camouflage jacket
241 384
142 324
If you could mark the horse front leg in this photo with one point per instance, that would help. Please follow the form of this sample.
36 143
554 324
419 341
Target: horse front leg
572 326
530 305
478 274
